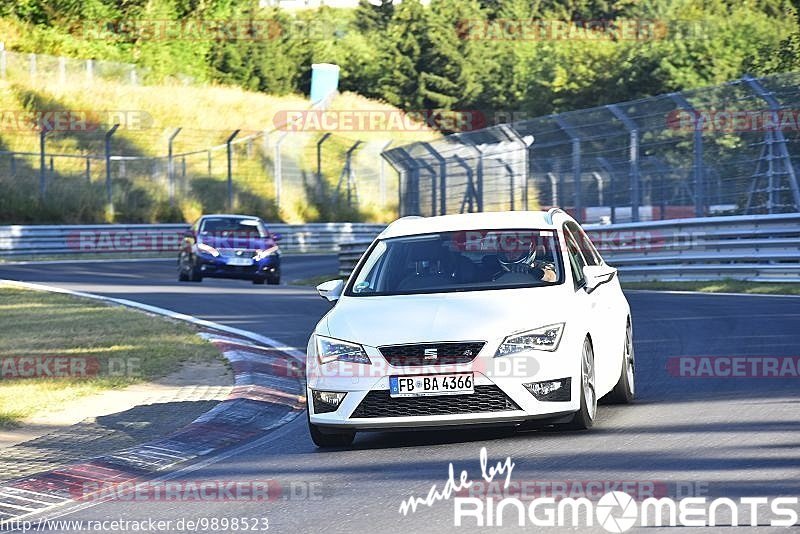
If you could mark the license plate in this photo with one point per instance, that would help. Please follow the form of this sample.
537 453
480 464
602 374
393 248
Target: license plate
239 261
429 385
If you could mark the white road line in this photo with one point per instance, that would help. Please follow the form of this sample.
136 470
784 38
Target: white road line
705 293
258 338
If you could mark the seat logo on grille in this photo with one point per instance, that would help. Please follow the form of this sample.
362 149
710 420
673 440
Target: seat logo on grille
432 354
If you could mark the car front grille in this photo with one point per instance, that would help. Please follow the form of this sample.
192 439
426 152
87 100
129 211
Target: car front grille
423 353
490 398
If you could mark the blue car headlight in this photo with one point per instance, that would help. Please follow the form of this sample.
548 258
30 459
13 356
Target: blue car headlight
208 249
266 253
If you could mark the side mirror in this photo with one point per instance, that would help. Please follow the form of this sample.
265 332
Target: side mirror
277 237
597 275
331 290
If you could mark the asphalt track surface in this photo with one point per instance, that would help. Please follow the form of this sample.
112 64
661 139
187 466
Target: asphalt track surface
713 437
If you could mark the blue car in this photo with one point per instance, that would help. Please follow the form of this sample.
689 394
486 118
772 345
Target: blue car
230 246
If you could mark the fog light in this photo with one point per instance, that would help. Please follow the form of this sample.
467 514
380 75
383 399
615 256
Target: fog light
326 401
551 390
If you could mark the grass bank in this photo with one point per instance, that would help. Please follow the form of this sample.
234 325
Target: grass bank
722 286
85 345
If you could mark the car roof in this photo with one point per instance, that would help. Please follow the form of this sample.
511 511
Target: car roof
540 220
227 216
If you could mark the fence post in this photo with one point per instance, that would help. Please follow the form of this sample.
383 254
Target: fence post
109 190
442 180
2 60
88 170
469 196
209 163
525 142
382 176
347 172
633 158
278 170
319 157
479 179
42 168
89 70
171 167
576 178
697 159
13 166
134 78
230 168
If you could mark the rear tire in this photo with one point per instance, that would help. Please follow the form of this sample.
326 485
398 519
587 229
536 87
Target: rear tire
584 418
324 441
624 392
274 280
259 281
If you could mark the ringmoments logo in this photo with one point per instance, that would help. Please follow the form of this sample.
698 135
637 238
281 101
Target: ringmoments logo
615 511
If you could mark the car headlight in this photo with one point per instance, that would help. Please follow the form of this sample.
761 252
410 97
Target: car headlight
544 338
331 350
261 254
208 249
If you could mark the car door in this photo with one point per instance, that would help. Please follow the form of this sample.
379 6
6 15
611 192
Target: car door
593 305
608 326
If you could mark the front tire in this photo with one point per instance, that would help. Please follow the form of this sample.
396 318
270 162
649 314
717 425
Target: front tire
625 390
324 441
185 271
584 418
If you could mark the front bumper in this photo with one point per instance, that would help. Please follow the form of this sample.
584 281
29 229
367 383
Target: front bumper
217 267
500 396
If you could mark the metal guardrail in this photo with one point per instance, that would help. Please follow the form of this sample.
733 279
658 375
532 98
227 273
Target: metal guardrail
764 248
45 240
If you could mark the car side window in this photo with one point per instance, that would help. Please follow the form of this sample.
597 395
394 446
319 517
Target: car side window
576 261
585 245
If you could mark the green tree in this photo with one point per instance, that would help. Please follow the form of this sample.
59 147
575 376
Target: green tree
371 16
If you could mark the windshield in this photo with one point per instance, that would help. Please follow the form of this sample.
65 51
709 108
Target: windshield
469 260
231 227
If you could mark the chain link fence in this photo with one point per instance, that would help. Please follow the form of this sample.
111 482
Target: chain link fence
728 149
43 68
111 175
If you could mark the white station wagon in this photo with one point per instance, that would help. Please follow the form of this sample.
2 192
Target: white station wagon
470 319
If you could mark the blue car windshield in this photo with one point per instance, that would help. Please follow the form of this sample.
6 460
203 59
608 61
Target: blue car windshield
231 226
471 260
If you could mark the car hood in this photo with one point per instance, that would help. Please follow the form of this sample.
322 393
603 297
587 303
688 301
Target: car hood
474 315
238 242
